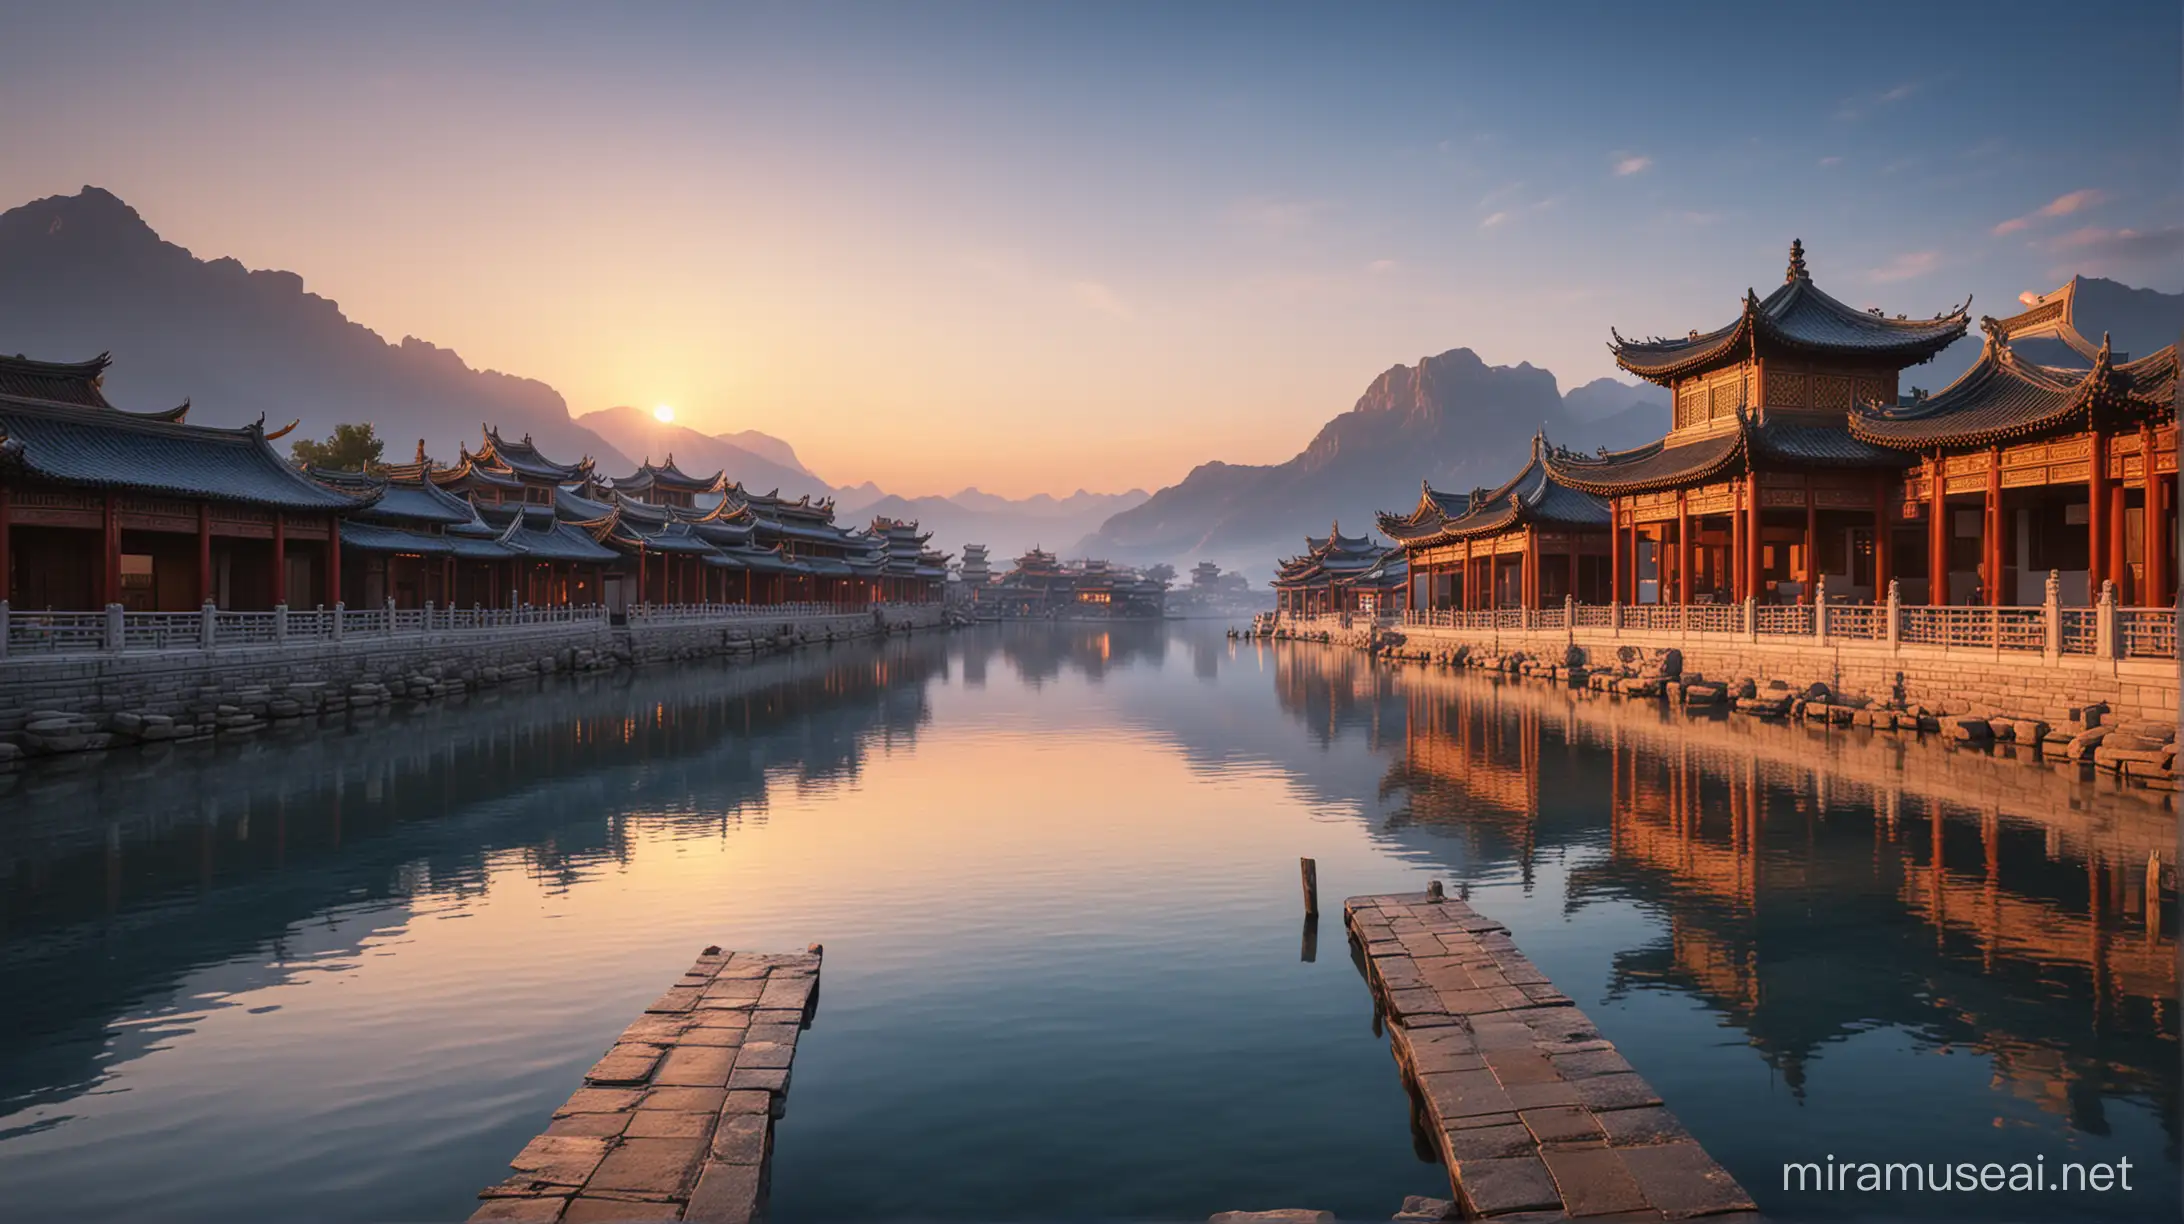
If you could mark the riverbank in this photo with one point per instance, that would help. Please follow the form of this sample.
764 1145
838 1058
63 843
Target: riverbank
2117 714
56 704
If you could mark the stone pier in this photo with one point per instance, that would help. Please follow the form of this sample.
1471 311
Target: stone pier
1535 1114
675 1120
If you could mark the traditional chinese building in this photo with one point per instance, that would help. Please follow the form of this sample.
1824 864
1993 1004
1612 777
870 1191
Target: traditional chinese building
2026 467
975 570
1380 589
1041 586
1304 585
1530 542
101 506
910 571
1760 488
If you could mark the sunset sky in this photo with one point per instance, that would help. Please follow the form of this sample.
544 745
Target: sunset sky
1038 248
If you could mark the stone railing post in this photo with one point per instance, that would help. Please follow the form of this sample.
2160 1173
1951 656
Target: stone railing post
1751 618
2051 617
208 626
428 618
3 628
113 626
1569 618
388 610
2105 638
280 624
339 610
1820 609
1893 628
1615 620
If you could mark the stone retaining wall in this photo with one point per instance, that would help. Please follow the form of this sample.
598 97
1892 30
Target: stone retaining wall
2001 683
90 702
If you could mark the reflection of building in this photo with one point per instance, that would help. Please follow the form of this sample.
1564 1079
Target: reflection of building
1040 585
1807 885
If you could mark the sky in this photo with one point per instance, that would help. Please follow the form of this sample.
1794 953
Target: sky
1038 248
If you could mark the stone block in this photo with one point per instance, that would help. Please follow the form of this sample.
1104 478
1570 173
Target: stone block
562 1160
649 1166
1497 1187
1681 1180
1593 1180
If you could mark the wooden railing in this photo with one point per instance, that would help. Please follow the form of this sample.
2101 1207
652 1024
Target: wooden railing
2102 631
114 630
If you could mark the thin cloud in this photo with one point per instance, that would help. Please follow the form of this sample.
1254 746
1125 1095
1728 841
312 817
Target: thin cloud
1381 265
1093 295
1627 164
1859 106
1494 219
1831 161
1908 266
2061 206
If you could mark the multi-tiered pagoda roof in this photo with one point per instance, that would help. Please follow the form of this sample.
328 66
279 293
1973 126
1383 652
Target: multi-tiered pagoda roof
1328 557
1533 495
1796 318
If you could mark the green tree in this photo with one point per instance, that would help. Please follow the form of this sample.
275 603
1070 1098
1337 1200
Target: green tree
352 448
1162 572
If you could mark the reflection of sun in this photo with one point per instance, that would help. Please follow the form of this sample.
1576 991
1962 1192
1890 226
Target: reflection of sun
663 413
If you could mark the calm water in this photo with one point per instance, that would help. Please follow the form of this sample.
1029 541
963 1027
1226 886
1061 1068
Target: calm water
344 977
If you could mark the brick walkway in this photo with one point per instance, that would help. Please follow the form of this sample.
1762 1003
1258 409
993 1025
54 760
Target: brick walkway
675 1122
1532 1110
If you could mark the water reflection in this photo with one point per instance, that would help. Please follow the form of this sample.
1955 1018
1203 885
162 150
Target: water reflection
1809 888
1055 869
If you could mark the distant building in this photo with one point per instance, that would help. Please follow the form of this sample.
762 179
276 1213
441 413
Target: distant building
1309 584
1041 586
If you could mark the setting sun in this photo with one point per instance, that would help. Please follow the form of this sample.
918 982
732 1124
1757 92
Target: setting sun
663 413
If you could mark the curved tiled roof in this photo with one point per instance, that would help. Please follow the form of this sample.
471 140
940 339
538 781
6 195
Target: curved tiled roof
1534 495
1656 465
56 382
380 538
650 475
523 459
2004 397
1796 316
104 448
404 501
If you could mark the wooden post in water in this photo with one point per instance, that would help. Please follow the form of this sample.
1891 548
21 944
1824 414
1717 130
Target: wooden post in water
1310 951
1310 871
2153 896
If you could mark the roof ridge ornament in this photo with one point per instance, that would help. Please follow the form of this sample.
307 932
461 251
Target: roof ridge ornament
1797 270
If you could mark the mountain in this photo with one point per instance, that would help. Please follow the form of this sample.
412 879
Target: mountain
2138 321
767 447
84 274
1045 505
759 467
1450 419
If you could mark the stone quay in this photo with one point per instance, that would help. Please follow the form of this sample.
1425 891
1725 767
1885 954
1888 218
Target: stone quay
114 694
675 1121
1534 1114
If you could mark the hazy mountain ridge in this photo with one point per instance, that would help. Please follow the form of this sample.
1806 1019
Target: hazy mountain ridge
1450 419
636 431
84 274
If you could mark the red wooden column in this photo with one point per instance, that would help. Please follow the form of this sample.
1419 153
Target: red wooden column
1993 542
2119 567
5 515
1615 550
1937 535
110 577
280 558
1528 581
1752 542
1811 576
204 554
2096 519
333 561
2157 526
1740 579
1883 568
1573 565
1683 547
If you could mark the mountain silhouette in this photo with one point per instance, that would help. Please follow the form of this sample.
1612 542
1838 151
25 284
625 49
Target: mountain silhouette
1451 419
84 274
635 431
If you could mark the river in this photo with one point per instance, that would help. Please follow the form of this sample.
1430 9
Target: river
344 974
